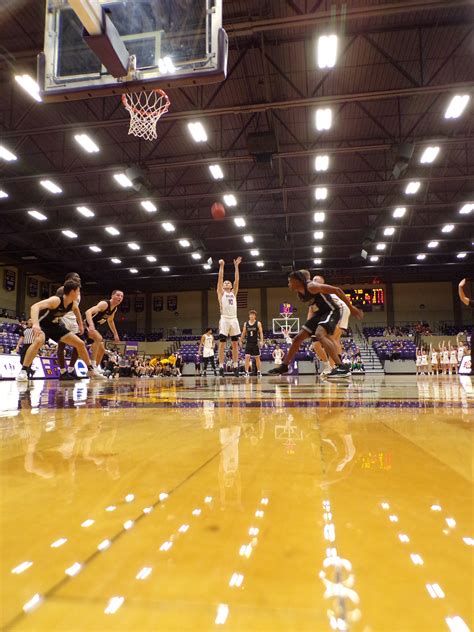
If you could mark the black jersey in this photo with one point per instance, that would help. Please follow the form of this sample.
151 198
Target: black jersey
252 332
50 317
102 317
323 302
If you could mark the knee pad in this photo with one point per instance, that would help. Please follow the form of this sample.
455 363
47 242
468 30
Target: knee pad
234 338
222 338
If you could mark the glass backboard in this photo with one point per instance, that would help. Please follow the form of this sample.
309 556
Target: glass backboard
171 43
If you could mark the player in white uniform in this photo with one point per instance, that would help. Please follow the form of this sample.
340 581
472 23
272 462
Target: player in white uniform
69 321
424 362
206 346
278 355
228 323
418 361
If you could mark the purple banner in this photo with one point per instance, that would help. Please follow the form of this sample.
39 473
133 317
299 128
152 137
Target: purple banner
172 303
32 286
9 280
139 303
157 303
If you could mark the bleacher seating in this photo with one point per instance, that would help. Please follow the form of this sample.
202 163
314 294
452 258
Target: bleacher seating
403 349
8 340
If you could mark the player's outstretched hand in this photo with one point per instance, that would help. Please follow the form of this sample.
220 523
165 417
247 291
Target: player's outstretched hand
221 262
238 261
462 283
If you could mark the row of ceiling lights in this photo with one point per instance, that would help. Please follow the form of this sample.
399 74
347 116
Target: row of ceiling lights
326 57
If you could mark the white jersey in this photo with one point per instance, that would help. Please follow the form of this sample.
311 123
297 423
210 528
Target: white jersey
344 311
445 357
460 353
434 357
208 347
69 319
228 305
424 359
278 356
453 359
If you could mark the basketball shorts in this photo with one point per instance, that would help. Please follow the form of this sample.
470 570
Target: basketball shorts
55 332
345 314
70 323
328 320
252 350
229 327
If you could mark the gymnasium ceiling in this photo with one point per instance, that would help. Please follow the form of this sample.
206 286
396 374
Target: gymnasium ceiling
399 64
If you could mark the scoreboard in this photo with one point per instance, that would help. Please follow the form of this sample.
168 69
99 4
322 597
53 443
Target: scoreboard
367 299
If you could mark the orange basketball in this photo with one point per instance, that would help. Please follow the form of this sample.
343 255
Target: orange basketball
218 211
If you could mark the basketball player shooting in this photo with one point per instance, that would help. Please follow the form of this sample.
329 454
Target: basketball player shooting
228 323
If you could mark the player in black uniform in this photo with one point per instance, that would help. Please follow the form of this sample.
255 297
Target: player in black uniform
46 316
470 303
97 317
322 324
252 333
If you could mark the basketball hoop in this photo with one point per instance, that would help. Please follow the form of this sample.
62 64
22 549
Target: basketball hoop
146 109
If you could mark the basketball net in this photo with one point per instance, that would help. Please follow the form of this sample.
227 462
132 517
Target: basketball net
146 109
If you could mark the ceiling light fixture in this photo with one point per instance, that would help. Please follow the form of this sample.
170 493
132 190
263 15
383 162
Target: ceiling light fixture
327 51
86 143
133 246
168 226
321 193
95 248
29 85
7 155
69 233
412 188
37 215
122 179
429 155
148 206
323 119
447 228
389 231
198 132
240 222
254 253
112 231
399 212
86 212
248 239
216 172
230 200
456 106
321 163
51 186
184 243
115 260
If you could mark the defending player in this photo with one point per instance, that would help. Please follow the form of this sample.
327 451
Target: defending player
322 324
228 323
46 316
71 323
252 334
97 317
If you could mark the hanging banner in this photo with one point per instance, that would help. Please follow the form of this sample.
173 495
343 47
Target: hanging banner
32 286
44 290
172 303
157 303
139 303
9 280
125 305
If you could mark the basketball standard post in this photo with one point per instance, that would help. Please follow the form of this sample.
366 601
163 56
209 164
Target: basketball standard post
287 322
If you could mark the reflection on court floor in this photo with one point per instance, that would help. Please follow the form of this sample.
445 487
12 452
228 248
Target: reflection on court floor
273 504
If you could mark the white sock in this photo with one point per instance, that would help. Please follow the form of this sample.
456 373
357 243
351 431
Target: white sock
94 364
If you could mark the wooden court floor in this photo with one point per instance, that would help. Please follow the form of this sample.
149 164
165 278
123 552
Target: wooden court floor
201 504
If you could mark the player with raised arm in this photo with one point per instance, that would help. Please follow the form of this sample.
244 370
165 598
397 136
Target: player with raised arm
252 334
322 324
470 303
97 317
47 317
228 323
